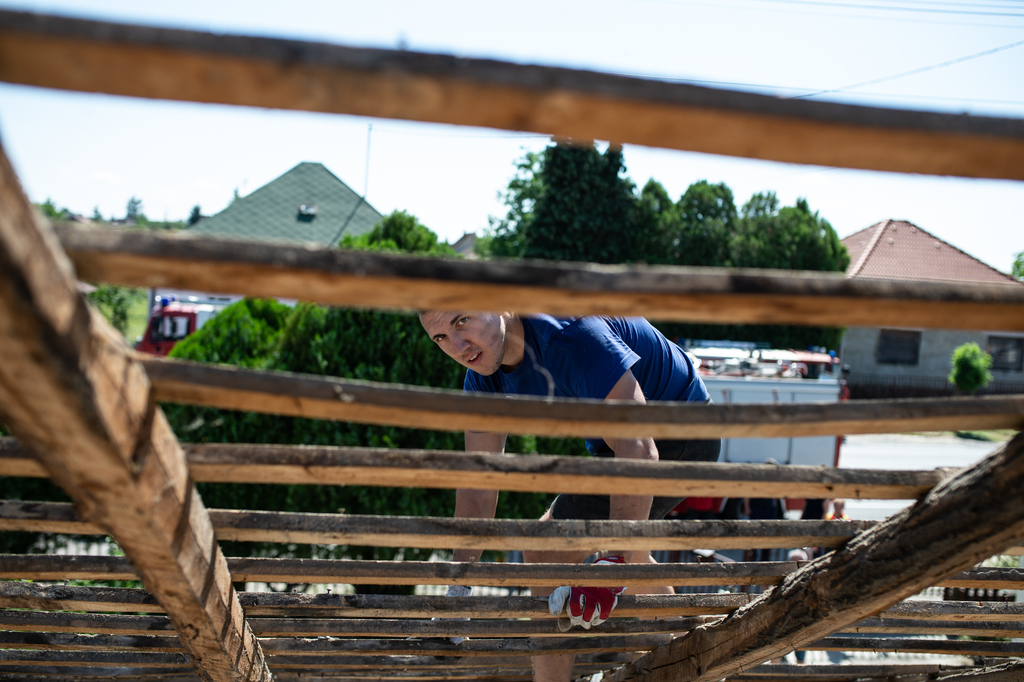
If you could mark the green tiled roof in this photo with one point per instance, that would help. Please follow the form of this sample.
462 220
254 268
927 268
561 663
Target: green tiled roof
271 213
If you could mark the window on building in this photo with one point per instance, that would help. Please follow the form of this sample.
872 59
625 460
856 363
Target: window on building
897 347
1007 352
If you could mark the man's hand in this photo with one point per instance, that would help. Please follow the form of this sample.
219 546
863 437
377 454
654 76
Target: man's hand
585 606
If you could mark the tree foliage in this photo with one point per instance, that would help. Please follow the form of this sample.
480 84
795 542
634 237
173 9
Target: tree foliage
356 344
399 232
115 302
571 202
970 368
195 215
1017 270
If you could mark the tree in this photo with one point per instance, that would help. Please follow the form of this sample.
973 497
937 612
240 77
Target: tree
585 210
1017 270
133 211
694 231
96 215
508 235
195 216
115 303
790 238
400 232
969 368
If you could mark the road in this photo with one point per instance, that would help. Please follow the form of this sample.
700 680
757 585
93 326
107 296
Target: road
900 451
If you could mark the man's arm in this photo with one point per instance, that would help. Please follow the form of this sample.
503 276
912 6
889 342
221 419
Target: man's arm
477 504
630 506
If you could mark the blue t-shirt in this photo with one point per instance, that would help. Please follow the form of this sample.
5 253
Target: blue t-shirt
584 357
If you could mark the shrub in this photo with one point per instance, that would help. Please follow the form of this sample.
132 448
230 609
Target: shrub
970 367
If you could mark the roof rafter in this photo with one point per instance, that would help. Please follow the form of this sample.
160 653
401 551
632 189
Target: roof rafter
74 395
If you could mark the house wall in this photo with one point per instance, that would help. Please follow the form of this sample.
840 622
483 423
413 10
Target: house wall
937 346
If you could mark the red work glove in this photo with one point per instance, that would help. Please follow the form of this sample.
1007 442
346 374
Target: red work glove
586 606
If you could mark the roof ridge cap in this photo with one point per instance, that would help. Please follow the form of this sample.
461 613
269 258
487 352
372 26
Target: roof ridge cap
869 248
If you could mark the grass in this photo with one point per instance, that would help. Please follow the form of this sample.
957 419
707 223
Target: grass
137 319
991 436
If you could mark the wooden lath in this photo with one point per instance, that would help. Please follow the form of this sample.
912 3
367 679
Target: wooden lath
143 61
366 279
497 534
85 406
319 397
320 465
82 405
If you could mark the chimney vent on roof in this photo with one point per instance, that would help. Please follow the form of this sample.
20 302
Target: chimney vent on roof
307 212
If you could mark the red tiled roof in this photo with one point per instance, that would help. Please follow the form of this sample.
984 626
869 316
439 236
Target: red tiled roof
897 249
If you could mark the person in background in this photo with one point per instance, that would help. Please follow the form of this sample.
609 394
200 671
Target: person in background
838 511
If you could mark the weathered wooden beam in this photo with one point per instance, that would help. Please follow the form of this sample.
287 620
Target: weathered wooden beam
848 672
955 610
78 673
329 571
438 532
73 394
275 647
1005 672
121 659
124 624
1009 628
361 278
317 465
961 521
319 397
152 62
901 645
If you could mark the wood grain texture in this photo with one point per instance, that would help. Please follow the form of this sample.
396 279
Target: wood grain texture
380 280
900 645
78 400
328 571
319 397
961 521
442 532
162 63
318 465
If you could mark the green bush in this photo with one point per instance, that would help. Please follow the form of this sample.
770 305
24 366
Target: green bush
376 346
970 367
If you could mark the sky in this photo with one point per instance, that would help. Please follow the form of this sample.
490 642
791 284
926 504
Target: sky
89 152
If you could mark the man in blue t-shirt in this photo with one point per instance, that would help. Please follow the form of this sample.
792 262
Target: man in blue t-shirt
603 358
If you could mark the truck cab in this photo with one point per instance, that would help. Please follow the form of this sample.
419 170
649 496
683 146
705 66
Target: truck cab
171 321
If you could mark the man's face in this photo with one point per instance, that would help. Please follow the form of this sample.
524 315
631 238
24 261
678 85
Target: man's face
474 340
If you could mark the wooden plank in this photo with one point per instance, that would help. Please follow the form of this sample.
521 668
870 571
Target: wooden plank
964 519
123 624
121 659
439 532
1006 672
297 649
862 671
78 400
329 571
92 623
380 280
1011 629
317 465
20 595
319 397
277 647
88 672
62 641
956 610
917 646
163 63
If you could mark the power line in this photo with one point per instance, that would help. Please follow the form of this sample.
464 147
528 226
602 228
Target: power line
931 67
890 8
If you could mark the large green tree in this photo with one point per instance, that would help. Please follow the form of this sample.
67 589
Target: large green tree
572 202
399 232
585 211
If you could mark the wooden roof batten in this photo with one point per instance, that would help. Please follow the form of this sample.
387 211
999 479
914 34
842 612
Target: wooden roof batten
143 61
81 404
86 407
